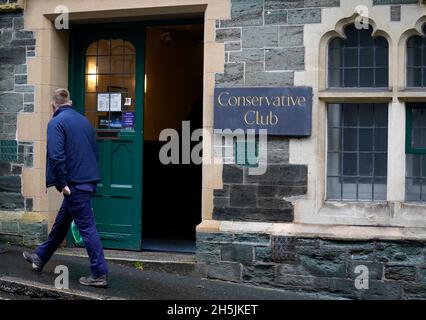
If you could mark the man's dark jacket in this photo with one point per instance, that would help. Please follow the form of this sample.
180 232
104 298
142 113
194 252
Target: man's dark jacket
72 151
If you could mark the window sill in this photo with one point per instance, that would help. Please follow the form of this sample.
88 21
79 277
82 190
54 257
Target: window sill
355 205
412 95
390 214
311 230
378 203
415 204
343 95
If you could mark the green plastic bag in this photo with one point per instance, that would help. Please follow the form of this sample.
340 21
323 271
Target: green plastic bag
78 240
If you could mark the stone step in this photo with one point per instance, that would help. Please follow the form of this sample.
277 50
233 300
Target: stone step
174 263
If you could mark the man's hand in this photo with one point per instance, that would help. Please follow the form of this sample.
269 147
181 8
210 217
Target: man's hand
66 191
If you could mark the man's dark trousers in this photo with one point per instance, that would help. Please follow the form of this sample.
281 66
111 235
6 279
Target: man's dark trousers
77 207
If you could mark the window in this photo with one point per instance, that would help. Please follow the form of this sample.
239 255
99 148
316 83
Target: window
246 153
415 180
357 132
110 84
359 61
416 61
357 152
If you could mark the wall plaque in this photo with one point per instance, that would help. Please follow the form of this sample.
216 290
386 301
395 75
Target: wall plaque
285 111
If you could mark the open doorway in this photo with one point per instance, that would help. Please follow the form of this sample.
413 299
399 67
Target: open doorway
174 90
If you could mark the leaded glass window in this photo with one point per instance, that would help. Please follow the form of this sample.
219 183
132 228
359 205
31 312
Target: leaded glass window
415 178
359 61
357 151
416 62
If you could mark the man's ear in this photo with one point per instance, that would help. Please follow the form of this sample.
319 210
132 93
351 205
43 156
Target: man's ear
70 103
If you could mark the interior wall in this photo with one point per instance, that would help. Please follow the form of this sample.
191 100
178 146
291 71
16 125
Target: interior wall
173 85
174 73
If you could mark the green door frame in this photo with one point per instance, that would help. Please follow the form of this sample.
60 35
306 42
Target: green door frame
81 36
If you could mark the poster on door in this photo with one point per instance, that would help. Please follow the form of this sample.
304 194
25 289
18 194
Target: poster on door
109 102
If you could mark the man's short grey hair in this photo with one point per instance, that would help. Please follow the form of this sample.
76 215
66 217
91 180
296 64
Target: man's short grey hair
61 96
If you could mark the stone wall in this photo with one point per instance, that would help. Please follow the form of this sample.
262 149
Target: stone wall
263 48
395 8
261 198
16 46
23 233
397 270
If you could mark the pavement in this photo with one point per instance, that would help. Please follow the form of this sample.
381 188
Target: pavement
17 280
168 262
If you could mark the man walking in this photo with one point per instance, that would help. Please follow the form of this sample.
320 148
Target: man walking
72 168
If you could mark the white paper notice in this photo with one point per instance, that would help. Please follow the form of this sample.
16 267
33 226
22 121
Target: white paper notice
103 102
115 102
109 102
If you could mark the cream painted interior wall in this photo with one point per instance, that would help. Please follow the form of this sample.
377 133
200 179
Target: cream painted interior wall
168 102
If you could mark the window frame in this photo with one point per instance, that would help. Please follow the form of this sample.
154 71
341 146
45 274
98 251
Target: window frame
409 149
358 47
341 153
395 212
409 106
421 66
92 52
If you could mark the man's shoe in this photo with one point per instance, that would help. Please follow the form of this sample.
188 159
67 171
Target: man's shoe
100 282
34 259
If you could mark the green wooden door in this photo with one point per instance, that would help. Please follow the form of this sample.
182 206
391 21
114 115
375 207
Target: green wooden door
107 86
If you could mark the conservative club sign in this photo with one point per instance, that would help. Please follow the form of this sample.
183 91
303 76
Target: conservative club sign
283 111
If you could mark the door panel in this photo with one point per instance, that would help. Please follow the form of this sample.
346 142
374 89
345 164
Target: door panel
113 204
121 176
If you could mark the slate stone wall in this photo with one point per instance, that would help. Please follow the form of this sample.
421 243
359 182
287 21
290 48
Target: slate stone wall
261 198
263 48
264 41
397 269
23 233
16 46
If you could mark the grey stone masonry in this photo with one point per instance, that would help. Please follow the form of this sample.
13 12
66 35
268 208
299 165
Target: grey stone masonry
16 45
261 198
264 40
264 44
27 234
396 269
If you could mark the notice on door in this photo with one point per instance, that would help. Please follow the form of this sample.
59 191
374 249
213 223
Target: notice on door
128 120
109 102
